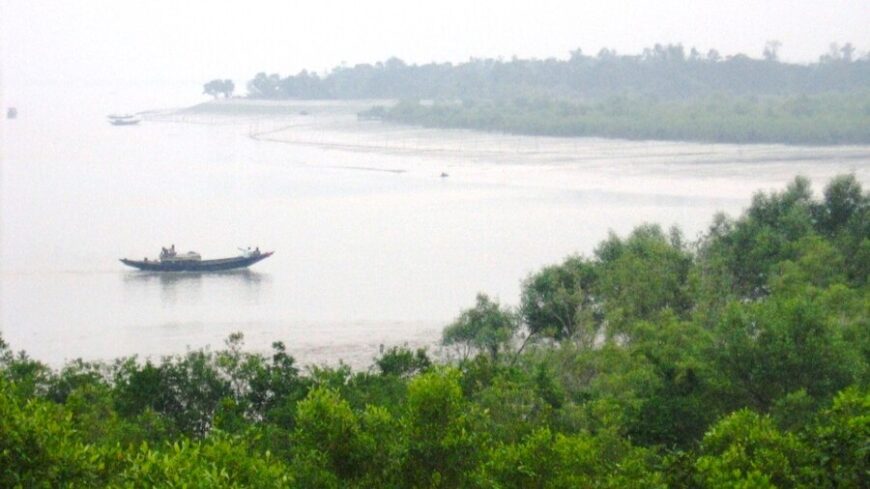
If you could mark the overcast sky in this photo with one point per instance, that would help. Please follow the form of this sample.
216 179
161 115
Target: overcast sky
125 40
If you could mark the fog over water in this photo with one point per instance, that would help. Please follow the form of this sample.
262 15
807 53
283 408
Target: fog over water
372 245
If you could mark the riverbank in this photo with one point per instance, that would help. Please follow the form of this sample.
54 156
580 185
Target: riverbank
426 128
520 160
247 106
818 120
833 119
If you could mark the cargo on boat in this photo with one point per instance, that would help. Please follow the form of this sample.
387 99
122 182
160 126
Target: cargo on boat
171 261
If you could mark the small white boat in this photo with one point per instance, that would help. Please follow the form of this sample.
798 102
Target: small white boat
124 119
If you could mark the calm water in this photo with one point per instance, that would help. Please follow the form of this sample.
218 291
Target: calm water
372 245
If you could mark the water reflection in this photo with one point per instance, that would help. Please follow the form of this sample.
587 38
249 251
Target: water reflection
195 286
245 276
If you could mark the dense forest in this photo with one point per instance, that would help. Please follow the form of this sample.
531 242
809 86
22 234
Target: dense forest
666 72
662 93
739 360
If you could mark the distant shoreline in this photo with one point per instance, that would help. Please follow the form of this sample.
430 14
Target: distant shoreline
832 119
251 106
829 120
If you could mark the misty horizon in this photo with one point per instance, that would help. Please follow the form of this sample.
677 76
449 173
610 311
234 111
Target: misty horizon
104 43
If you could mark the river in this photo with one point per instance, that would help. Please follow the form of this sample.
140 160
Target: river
373 246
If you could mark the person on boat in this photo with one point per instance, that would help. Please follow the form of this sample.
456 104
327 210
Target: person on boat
257 251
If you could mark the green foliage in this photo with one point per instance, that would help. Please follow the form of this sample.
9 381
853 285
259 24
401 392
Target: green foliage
327 425
839 119
769 349
841 437
76 375
189 392
29 377
403 362
817 263
747 250
442 449
485 327
844 216
39 446
660 72
794 411
844 201
191 389
545 460
681 403
343 445
381 448
642 276
216 463
515 404
559 301
747 450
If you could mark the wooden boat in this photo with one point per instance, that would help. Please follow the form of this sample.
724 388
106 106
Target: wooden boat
170 261
124 120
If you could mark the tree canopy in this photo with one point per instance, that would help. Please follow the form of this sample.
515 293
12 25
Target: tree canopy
664 71
219 87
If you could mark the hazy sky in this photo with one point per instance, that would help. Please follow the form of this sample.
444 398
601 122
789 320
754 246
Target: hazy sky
123 40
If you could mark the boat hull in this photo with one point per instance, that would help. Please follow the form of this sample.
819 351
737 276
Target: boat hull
196 266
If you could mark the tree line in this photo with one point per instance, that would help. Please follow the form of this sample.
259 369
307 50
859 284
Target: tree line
664 93
664 71
820 119
739 360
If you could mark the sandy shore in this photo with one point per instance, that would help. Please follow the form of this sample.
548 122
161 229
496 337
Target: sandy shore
538 161
333 124
245 107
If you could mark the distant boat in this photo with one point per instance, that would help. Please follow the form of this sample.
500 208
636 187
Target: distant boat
170 261
124 119
11 113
